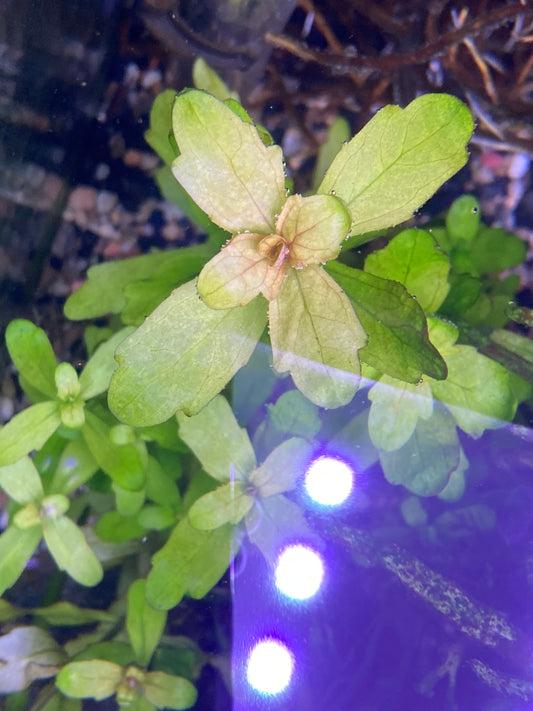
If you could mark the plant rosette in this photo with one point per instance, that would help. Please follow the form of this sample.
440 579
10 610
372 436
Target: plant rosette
278 246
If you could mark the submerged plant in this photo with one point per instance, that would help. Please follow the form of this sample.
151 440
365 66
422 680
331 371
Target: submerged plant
278 247
185 478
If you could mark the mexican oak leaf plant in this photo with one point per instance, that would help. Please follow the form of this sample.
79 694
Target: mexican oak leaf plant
271 269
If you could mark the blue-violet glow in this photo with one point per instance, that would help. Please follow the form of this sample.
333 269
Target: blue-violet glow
270 666
329 480
299 572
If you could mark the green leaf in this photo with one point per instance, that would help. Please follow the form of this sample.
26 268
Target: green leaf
426 461
69 549
199 484
461 522
183 264
172 191
494 249
68 615
166 435
156 518
28 430
464 292
398 342
182 356
399 159
463 219
316 336
103 292
115 528
191 561
54 505
353 437
75 467
167 691
94 679
160 487
123 463
273 522
253 385
32 354
26 654
338 134
58 702
160 132
455 488
140 703
10 612
222 155
27 517
206 79
67 382
21 481
223 448
395 410
314 227
477 390
414 259
16 548
145 625
93 336
119 653
228 503
513 342
128 503
239 273
293 414
96 375
283 467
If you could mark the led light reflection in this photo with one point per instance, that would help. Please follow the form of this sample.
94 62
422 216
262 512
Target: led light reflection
329 481
299 572
270 666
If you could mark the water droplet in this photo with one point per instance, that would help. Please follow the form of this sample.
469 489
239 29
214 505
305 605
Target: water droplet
333 192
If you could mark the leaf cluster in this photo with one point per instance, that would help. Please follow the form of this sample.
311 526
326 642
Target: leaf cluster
139 461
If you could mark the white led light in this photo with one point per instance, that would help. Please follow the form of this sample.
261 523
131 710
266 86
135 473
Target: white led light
299 572
270 666
329 480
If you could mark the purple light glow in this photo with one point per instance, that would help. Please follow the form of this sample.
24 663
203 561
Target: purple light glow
299 572
269 667
329 481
